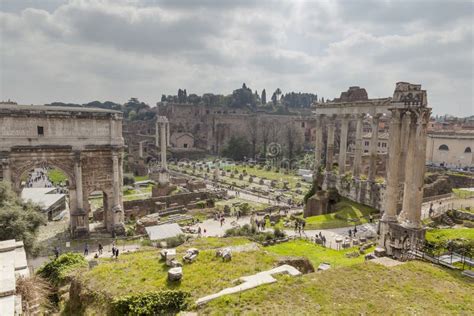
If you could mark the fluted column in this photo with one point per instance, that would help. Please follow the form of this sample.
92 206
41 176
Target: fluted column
358 146
167 134
79 192
373 148
423 120
157 133
330 144
116 181
343 144
405 125
163 145
410 184
140 149
392 190
318 143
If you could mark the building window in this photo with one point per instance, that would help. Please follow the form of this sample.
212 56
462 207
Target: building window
467 150
185 145
384 145
366 143
302 124
443 147
40 130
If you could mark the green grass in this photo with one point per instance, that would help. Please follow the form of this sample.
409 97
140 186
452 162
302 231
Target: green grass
348 213
463 194
141 178
315 253
143 271
414 288
253 205
449 234
56 176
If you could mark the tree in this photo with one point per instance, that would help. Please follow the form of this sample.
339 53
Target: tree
274 98
18 220
237 148
252 130
265 135
264 97
163 98
292 134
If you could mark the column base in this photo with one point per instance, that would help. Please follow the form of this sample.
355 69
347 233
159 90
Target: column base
398 240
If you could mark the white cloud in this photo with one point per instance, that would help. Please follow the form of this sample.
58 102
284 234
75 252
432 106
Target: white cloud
83 50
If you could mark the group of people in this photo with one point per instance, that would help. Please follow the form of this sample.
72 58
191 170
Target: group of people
37 176
261 224
322 238
352 232
299 226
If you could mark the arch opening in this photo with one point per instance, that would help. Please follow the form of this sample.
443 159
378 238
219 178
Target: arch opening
443 147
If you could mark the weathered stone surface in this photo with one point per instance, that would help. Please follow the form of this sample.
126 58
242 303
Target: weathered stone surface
175 274
85 143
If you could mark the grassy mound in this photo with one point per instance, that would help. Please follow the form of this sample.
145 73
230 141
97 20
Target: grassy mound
415 288
348 213
439 235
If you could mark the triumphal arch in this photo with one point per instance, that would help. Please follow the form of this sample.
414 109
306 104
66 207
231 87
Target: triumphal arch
85 143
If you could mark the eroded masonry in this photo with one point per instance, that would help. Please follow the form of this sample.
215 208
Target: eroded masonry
86 144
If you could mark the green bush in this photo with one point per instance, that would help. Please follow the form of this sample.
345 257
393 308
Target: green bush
173 242
151 303
310 193
57 270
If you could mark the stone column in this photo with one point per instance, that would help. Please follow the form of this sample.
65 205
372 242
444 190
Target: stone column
373 148
116 182
157 133
79 192
140 149
423 119
343 144
392 190
406 217
163 145
330 144
403 146
358 146
6 170
318 143
167 134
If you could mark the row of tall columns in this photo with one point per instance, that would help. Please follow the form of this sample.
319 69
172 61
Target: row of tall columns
318 149
344 123
343 144
414 167
358 147
373 148
330 144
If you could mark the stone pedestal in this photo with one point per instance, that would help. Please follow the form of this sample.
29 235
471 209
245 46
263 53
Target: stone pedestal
397 239
318 204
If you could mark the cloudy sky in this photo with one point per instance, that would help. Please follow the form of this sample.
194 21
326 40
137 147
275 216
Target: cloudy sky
80 51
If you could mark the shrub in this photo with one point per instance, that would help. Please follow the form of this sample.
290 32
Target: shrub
151 303
173 242
57 270
128 180
310 193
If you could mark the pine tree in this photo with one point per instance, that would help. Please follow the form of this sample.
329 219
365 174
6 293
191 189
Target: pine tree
264 97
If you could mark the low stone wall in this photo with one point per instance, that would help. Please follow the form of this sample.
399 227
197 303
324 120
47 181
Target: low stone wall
156 204
360 191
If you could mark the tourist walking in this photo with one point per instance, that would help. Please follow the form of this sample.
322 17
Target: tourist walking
56 252
100 248
86 249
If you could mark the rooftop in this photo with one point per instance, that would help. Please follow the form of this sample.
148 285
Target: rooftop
51 108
